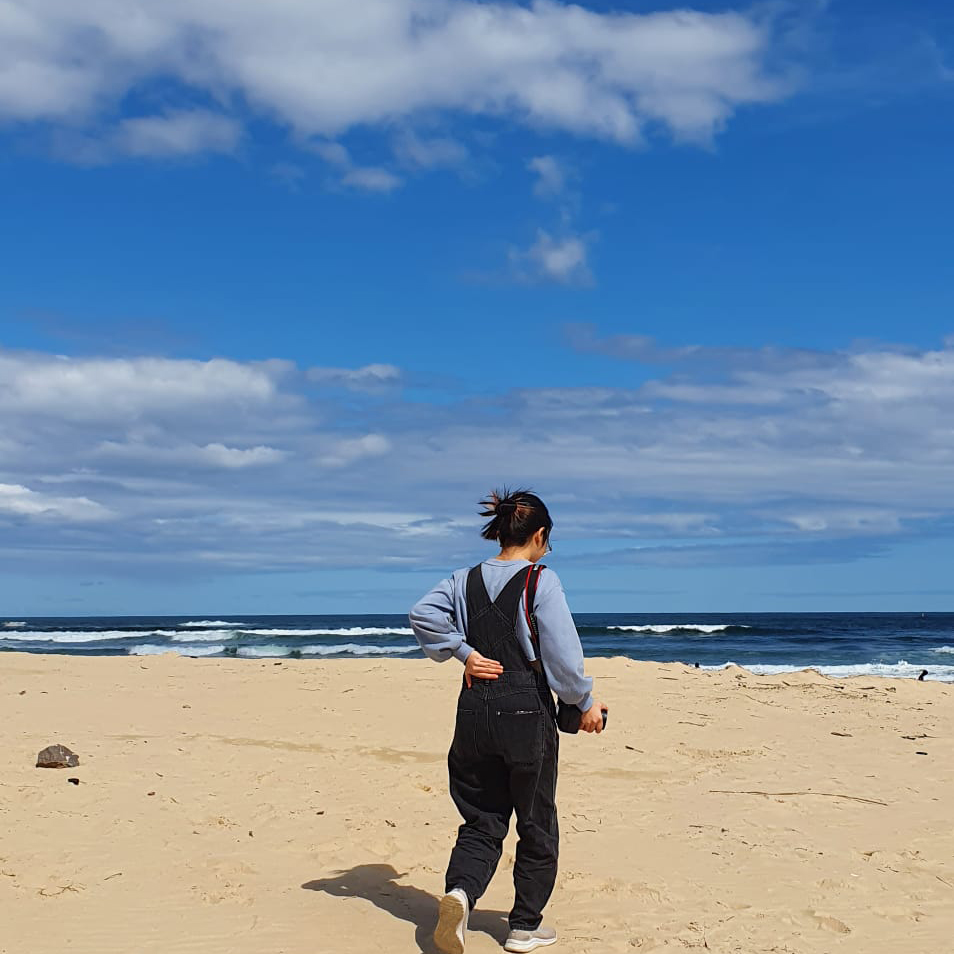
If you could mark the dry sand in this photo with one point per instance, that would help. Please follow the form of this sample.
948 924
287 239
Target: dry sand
243 806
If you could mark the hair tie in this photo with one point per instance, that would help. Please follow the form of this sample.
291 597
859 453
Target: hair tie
509 504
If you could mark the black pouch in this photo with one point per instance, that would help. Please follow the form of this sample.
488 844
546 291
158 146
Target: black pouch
568 717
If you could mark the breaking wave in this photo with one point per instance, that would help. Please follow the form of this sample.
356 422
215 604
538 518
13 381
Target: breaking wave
149 649
899 670
269 652
200 623
351 649
350 631
196 635
85 636
660 629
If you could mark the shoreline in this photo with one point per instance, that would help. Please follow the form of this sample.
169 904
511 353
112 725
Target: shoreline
843 671
873 645
277 805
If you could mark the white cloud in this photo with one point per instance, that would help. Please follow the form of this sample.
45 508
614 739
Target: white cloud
416 152
551 176
550 258
852 520
371 179
365 178
344 452
333 153
322 67
103 388
20 501
177 133
368 376
211 455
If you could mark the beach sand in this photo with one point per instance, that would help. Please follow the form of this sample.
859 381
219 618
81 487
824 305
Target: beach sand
245 806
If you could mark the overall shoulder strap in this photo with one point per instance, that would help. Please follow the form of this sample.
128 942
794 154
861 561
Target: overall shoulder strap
529 598
477 597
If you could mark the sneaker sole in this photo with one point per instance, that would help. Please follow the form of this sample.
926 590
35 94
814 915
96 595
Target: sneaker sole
450 918
521 947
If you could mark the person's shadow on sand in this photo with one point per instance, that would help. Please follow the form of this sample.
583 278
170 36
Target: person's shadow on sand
376 883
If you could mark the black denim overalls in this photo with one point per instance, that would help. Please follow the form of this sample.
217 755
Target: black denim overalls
503 760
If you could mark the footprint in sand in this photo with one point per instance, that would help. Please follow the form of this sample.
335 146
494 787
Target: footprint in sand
829 923
643 944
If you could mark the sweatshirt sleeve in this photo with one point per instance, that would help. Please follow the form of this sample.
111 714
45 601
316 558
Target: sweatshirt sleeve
435 625
560 647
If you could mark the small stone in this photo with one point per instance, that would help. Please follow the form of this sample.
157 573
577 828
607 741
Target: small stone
57 756
73 781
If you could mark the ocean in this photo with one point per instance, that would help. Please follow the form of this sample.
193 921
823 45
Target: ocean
837 644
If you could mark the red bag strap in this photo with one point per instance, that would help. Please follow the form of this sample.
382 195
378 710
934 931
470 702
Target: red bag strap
529 597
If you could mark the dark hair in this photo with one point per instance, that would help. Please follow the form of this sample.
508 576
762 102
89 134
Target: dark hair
517 516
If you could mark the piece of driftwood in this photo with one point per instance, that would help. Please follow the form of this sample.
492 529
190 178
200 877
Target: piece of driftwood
854 798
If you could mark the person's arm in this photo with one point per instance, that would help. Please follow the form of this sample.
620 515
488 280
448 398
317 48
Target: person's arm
560 649
435 625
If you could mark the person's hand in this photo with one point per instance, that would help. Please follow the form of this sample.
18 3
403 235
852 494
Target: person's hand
480 667
592 719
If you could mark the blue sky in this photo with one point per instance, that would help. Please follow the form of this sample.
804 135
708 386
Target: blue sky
283 296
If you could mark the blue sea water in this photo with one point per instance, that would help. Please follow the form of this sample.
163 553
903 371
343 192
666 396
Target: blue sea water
838 644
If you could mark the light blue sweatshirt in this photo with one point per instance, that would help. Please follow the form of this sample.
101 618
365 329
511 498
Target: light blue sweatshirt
439 621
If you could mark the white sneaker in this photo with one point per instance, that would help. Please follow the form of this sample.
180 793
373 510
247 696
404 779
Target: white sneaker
452 922
530 940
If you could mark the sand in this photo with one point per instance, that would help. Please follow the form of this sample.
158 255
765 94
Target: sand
243 806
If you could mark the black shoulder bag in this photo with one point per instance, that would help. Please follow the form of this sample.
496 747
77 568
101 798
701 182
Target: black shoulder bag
568 715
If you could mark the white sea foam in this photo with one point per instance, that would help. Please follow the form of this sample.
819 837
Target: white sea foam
662 628
899 670
353 649
197 635
356 650
12 625
69 637
943 649
202 623
352 631
148 649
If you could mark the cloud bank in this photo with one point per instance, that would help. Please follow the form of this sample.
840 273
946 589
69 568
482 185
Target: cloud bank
170 78
733 457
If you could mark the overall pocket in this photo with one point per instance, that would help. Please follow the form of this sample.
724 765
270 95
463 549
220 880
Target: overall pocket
465 734
518 723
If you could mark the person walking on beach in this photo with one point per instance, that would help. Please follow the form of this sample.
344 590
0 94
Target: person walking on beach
503 758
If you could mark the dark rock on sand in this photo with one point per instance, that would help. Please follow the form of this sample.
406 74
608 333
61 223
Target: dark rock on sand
57 756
